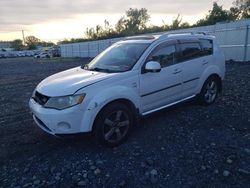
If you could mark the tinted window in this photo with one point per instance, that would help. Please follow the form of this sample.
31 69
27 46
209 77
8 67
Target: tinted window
190 51
207 46
164 55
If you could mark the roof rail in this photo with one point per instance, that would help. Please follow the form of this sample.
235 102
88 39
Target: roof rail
142 37
185 32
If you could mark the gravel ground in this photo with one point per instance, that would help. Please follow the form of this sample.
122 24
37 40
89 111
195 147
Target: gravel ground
185 146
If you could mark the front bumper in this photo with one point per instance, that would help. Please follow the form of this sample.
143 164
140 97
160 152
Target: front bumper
67 121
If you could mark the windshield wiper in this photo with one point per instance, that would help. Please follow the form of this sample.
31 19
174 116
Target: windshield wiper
86 66
97 69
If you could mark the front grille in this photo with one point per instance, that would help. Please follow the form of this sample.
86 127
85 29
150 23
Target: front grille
40 98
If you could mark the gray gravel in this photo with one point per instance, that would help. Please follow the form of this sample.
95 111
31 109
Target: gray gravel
185 146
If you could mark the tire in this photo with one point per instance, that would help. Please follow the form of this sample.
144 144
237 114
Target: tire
210 91
113 124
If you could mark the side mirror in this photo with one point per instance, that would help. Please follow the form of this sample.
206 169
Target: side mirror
153 66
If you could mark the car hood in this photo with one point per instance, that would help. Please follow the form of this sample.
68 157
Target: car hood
69 81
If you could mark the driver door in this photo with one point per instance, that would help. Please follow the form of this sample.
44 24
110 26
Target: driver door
161 88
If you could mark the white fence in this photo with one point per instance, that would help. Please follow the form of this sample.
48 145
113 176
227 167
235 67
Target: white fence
233 37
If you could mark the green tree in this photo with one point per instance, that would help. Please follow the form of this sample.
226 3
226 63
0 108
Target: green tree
217 14
176 22
133 23
94 33
107 30
185 25
32 42
234 13
90 33
120 26
136 19
17 44
243 8
165 26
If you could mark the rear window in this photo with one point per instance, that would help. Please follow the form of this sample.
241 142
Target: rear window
207 46
190 51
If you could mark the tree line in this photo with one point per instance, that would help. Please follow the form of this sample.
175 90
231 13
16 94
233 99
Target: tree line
136 21
30 43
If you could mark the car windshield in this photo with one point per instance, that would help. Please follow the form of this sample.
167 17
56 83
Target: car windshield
117 58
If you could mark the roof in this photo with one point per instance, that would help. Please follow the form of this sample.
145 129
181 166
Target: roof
175 35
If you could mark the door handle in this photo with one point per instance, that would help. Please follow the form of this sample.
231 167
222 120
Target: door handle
176 71
205 62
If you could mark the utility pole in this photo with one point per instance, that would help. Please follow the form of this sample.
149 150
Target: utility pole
23 37
246 44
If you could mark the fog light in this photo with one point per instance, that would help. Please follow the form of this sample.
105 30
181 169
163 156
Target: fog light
63 126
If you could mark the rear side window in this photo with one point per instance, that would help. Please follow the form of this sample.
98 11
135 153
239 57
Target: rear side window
207 46
190 51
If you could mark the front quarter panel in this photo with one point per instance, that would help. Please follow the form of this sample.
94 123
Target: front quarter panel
100 95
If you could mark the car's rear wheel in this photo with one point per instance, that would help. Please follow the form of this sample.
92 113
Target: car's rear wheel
113 124
209 91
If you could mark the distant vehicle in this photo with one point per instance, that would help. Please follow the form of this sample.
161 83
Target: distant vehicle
29 53
132 78
21 54
55 51
2 55
42 55
11 54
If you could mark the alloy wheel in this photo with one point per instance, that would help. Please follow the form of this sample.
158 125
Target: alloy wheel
116 126
211 91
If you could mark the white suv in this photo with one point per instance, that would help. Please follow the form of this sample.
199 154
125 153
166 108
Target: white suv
132 78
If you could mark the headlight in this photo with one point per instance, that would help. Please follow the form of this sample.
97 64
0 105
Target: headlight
61 103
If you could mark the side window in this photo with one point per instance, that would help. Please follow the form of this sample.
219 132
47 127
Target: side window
190 51
207 46
165 55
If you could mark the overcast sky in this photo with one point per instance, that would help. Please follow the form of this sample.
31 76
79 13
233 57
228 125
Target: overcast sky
58 19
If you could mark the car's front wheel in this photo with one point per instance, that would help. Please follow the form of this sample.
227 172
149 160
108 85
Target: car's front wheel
113 124
209 91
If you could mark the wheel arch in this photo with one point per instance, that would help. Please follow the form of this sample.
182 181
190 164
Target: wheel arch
212 71
218 78
97 99
125 101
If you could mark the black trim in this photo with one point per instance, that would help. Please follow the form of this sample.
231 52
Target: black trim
187 40
191 80
169 87
161 90
40 98
42 124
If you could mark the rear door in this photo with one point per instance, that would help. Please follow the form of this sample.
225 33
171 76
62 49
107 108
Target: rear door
192 65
